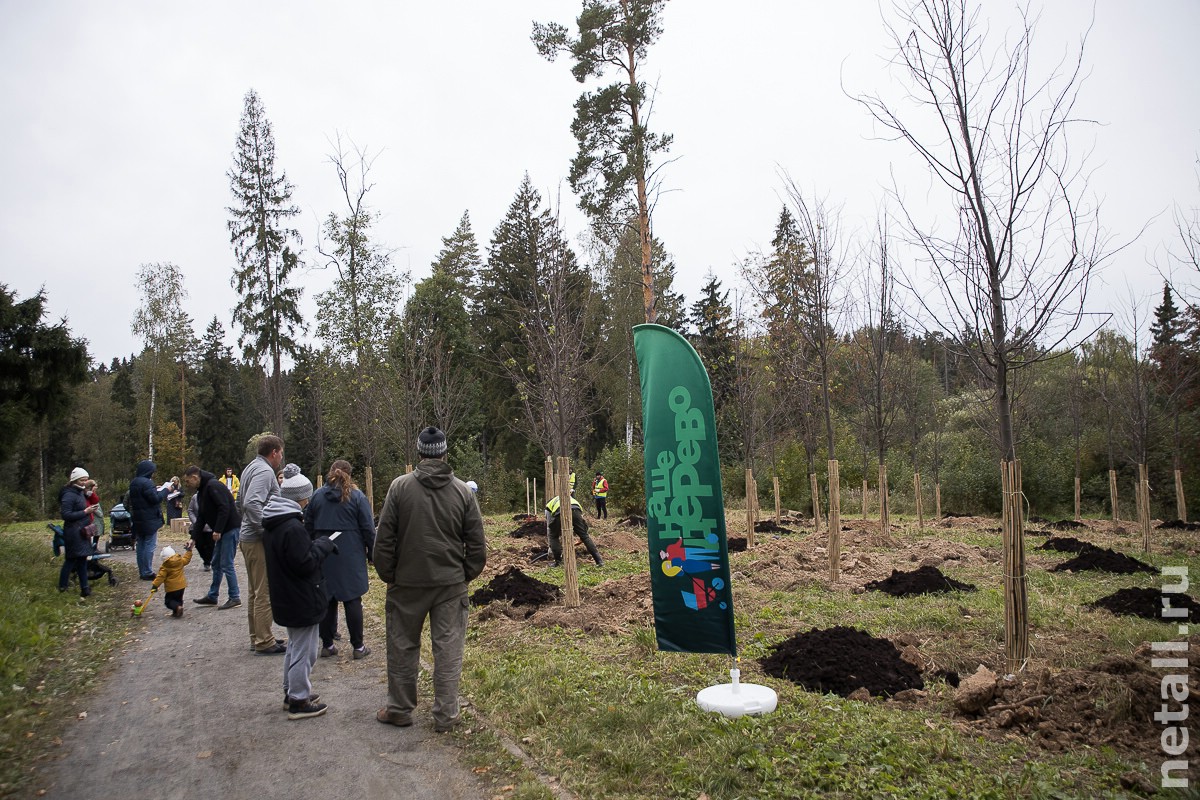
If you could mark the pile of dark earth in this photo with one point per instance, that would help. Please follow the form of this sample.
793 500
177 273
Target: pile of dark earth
1146 603
926 580
534 527
842 660
1066 525
524 517
1178 525
633 521
1103 560
736 545
1065 544
769 526
518 588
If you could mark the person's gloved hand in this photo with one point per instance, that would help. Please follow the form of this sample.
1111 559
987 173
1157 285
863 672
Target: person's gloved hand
325 546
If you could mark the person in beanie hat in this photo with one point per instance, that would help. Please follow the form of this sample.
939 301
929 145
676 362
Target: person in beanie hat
170 574
297 588
429 545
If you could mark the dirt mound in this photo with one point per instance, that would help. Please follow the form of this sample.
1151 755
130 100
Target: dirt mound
1178 525
524 517
534 527
1065 544
769 526
1144 602
1109 703
926 580
1066 525
518 588
842 660
736 544
632 521
1104 560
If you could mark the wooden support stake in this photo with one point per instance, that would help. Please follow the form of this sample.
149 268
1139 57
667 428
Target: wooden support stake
527 497
937 500
816 500
775 481
320 481
407 468
749 509
1016 599
570 568
1078 498
1112 497
1144 506
864 498
835 521
920 501
371 488
885 503
1180 501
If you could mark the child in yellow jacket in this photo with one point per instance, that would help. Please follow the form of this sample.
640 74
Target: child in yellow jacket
170 575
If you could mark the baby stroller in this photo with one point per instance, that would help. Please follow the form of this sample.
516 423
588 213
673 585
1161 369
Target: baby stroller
120 527
96 568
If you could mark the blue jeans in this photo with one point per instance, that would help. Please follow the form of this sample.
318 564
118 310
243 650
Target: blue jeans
144 545
222 564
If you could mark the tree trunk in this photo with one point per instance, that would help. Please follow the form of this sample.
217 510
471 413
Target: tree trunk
835 521
1180 501
1016 601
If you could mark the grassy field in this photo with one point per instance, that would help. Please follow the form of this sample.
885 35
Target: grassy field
54 647
605 715
582 699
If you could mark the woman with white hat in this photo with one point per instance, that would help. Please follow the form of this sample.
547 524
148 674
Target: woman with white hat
76 515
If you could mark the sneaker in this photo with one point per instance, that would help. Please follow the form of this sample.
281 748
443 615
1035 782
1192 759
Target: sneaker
207 568
273 650
305 709
178 612
329 652
205 601
337 637
149 577
112 581
287 701
361 652
232 602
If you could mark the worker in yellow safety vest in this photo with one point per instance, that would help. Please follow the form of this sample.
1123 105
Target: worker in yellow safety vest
600 495
578 524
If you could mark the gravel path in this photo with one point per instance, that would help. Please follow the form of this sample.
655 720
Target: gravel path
190 712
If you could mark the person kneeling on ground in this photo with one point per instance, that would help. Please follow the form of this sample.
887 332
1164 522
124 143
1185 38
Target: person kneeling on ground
297 590
170 576
578 524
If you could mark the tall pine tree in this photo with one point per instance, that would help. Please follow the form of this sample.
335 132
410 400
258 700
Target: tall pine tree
267 311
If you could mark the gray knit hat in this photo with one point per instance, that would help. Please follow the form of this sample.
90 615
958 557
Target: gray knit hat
297 487
291 471
431 443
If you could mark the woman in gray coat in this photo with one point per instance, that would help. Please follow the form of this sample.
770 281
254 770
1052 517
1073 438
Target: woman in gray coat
340 506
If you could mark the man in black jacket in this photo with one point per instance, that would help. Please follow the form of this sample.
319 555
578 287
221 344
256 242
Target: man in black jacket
217 510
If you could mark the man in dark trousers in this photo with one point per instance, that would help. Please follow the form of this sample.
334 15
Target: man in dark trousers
429 546
145 505
600 495
217 512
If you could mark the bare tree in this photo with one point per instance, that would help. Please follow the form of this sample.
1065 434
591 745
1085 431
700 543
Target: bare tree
1014 271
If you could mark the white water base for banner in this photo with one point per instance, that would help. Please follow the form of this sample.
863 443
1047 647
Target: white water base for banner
738 699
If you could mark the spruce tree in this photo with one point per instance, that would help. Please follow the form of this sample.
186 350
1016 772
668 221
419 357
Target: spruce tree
1166 326
459 257
267 311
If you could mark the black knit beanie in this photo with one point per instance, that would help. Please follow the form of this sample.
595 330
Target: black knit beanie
431 443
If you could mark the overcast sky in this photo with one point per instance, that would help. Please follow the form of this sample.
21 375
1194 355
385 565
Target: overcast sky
120 120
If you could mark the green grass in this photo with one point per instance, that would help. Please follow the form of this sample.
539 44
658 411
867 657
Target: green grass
53 649
609 716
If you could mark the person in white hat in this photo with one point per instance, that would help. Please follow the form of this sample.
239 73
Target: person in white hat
170 575
76 514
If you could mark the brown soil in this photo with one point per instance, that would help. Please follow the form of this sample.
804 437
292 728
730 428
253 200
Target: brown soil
925 580
1065 544
1145 603
1104 560
842 661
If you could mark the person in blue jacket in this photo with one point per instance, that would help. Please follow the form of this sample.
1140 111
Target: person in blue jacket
145 505
339 505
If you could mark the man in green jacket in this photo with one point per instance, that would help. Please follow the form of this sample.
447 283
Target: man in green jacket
429 546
